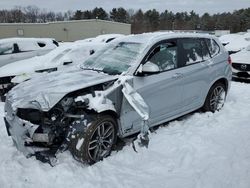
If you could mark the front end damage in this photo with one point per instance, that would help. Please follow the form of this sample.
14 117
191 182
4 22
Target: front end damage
40 134
44 133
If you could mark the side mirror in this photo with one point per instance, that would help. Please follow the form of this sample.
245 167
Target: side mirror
149 68
91 52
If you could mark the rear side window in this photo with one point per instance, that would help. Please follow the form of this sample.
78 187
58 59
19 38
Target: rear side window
190 51
213 47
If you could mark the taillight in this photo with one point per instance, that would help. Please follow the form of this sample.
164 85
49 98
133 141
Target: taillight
229 60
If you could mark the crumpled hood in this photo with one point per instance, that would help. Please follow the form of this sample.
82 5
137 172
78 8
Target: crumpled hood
44 91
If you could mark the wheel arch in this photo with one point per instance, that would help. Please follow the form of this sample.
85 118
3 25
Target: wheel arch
220 80
109 112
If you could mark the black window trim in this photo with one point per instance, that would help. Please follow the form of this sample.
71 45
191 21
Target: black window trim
216 44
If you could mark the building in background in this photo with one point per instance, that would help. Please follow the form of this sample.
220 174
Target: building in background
65 30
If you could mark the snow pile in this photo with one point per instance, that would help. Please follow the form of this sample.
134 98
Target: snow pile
200 150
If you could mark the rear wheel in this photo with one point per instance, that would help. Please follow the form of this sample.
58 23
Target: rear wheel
96 141
216 98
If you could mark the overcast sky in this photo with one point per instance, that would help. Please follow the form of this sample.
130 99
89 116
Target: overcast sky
199 6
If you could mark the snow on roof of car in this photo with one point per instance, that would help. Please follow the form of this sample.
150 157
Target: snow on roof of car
146 38
105 37
101 38
241 57
26 44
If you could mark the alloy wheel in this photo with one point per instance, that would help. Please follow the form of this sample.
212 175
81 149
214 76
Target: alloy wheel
217 98
101 141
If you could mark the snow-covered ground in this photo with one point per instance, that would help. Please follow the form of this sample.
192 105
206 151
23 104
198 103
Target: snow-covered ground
202 150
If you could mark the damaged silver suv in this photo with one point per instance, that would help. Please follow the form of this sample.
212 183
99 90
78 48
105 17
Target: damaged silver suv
137 82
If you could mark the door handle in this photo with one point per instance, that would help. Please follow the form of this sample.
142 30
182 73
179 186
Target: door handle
177 75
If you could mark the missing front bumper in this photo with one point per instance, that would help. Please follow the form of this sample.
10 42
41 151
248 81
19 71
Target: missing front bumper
22 134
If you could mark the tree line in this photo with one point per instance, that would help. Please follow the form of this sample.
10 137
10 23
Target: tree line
141 21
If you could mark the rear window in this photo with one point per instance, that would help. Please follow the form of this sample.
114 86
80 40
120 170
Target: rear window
213 47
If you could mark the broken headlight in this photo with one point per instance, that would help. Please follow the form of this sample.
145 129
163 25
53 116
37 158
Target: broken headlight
31 115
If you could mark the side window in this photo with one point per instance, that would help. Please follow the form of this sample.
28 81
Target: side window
190 51
213 47
164 56
205 50
41 44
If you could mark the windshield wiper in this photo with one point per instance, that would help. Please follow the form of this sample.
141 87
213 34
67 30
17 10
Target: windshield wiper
93 69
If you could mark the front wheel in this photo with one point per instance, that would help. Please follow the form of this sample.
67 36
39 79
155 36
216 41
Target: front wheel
216 98
96 141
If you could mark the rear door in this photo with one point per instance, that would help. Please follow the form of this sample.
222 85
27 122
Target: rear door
194 60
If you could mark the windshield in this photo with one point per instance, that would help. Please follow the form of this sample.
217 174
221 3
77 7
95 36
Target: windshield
115 59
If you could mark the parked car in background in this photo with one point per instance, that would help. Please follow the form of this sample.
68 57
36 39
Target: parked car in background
63 56
235 42
15 49
241 64
105 38
135 83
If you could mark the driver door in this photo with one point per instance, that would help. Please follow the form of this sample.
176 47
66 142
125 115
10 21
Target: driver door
161 91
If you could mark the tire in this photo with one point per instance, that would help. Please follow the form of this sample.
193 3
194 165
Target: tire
216 98
95 141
